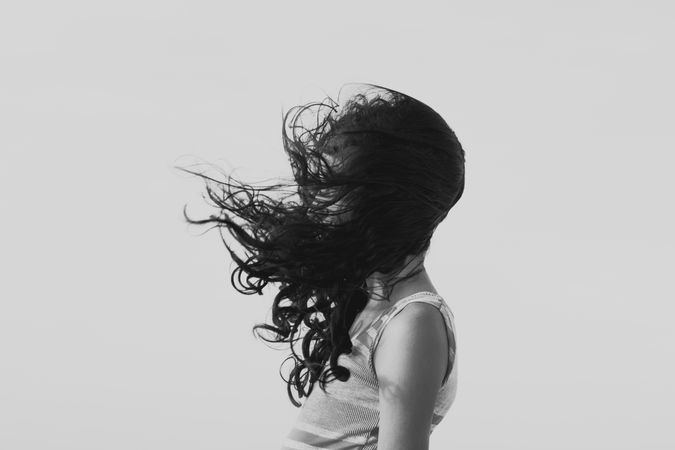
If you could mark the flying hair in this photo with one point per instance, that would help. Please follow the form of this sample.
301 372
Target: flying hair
373 176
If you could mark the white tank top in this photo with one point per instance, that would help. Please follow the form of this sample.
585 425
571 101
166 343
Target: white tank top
346 416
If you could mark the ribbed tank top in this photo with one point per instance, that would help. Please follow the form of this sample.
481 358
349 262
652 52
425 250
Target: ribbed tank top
346 416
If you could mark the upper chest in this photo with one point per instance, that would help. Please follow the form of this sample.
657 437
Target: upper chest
364 319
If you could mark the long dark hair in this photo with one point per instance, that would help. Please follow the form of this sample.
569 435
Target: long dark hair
400 170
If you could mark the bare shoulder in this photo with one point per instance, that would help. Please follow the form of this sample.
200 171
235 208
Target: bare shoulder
410 362
418 327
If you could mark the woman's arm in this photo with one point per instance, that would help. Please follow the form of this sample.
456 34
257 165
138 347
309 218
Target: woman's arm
412 358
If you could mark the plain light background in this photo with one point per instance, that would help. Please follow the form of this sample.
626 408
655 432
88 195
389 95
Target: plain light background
118 324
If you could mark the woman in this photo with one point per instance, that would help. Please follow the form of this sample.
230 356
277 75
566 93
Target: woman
372 181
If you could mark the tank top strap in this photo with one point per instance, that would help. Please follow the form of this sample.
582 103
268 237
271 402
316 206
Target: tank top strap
424 297
387 314
375 329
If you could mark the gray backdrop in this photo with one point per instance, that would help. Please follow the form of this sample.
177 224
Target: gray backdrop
118 326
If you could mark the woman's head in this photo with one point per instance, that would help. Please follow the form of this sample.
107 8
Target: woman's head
372 180
398 169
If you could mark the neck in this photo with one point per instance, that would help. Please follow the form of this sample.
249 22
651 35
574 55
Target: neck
380 285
